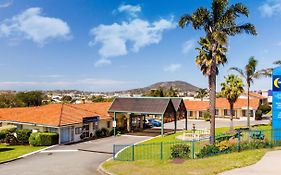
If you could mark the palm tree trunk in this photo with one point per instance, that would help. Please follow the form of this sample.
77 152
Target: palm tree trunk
248 106
231 116
212 102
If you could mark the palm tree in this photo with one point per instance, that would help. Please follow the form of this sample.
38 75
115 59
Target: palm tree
201 93
218 23
249 74
231 89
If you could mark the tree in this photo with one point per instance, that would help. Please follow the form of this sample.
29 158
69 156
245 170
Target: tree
10 101
32 98
249 74
98 99
218 23
66 98
171 92
156 93
201 93
231 89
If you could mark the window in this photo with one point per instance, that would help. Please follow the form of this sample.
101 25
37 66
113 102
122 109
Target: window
244 113
191 113
200 113
108 124
0 124
78 130
226 112
217 112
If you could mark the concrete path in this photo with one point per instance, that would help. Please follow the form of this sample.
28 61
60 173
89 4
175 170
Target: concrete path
67 159
268 165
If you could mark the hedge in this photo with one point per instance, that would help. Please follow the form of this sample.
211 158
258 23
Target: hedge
2 135
23 136
43 139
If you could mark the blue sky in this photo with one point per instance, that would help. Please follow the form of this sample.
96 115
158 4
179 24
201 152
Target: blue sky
106 45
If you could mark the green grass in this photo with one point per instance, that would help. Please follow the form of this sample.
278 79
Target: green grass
206 166
11 152
151 149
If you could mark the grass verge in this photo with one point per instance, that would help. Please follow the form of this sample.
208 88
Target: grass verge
206 166
12 152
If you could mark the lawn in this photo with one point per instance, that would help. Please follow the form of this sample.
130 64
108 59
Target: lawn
206 166
11 152
160 147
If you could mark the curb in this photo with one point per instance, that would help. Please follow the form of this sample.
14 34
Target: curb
25 155
101 170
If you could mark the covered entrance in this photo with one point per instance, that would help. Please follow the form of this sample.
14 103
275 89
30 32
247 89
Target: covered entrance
134 114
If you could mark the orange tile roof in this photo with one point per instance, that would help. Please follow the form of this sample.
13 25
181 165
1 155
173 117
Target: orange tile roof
220 103
55 114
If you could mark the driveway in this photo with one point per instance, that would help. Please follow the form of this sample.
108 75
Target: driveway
67 159
268 165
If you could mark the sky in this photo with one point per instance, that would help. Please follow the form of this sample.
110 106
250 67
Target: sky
108 45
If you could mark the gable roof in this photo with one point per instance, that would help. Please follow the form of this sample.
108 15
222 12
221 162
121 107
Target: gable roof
55 114
176 102
220 103
149 105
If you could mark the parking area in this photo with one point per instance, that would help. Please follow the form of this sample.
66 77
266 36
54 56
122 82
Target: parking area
69 159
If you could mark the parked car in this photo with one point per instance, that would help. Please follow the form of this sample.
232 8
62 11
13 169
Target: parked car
147 124
154 122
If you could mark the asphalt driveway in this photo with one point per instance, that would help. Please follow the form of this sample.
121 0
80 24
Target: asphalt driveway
67 159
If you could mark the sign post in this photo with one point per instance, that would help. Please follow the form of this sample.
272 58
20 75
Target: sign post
276 103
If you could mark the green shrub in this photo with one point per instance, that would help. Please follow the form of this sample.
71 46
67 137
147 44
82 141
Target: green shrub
227 146
11 139
254 144
2 135
103 132
180 151
208 150
23 136
224 137
207 116
258 115
43 139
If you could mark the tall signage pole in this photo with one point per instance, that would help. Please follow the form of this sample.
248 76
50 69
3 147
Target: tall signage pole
276 103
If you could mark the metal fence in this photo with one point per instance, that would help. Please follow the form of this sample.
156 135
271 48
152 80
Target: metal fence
233 142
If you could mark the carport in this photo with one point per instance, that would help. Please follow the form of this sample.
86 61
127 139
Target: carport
135 110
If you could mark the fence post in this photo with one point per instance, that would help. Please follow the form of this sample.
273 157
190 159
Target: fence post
192 149
133 152
161 151
238 143
113 151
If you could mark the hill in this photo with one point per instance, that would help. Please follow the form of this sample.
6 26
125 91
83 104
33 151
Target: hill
181 86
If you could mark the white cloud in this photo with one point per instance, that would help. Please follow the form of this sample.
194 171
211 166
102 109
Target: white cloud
172 68
132 10
102 61
270 8
119 39
31 25
6 3
188 46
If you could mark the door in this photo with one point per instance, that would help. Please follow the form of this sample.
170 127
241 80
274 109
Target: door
65 135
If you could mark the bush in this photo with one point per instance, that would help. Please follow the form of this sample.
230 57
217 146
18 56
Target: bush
207 116
180 151
254 144
23 136
224 137
208 150
43 139
258 115
11 139
227 146
103 132
2 135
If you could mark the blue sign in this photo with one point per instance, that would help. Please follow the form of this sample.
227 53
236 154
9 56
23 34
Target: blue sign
276 103
91 119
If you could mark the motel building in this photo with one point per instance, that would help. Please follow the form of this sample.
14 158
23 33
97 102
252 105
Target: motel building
196 109
73 122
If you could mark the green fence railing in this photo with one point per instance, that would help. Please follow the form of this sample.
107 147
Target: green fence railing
236 141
